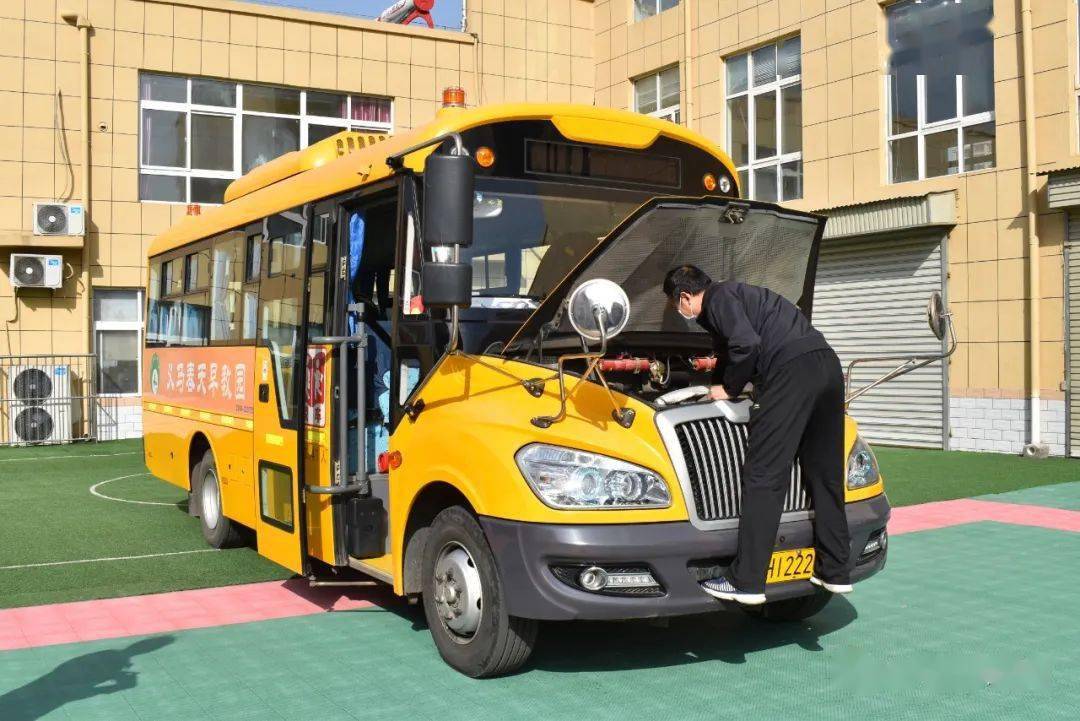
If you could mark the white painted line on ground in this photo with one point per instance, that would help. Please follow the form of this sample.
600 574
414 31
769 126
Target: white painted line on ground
94 491
57 458
112 558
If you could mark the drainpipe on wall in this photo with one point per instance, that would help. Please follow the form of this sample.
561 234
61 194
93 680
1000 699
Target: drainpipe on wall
84 26
688 60
1035 447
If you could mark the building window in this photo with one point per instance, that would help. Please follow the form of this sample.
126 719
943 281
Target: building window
198 135
117 338
658 94
647 8
940 88
764 120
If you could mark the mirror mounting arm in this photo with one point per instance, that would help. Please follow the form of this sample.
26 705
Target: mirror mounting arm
623 416
907 365
397 160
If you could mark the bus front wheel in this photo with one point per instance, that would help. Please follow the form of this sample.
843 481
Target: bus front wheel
463 600
218 530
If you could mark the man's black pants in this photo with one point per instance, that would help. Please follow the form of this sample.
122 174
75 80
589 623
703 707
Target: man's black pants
800 411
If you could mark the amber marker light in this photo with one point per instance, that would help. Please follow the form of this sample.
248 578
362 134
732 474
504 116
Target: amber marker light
709 181
194 209
453 97
394 459
485 157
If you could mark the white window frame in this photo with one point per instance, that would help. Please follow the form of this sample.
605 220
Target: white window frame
123 325
672 113
237 113
958 123
752 91
656 9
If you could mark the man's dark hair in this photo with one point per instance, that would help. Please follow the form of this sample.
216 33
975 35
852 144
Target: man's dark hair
685 279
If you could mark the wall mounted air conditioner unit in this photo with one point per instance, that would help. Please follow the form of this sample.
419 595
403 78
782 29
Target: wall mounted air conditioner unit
40 406
34 270
59 219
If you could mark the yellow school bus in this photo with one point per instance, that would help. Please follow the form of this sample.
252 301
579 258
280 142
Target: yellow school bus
443 359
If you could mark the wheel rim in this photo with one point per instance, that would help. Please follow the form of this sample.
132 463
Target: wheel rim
211 500
459 598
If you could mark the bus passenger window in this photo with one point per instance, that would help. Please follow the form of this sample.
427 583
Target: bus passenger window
172 277
227 274
157 309
251 313
253 257
195 330
321 236
280 302
285 248
252 268
195 271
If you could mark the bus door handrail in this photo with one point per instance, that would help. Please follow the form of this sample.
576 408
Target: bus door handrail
359 482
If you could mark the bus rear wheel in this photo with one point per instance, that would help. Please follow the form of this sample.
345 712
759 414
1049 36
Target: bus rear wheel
791 609
219 531
463 600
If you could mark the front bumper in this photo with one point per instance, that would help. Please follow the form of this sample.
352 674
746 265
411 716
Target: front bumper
678 554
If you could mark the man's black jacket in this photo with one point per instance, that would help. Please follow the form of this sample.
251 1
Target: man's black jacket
756 329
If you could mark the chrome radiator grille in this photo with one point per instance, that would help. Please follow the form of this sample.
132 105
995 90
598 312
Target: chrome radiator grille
714 450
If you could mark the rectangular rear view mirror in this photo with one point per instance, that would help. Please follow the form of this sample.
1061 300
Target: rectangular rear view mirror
447 285
448 199
448 223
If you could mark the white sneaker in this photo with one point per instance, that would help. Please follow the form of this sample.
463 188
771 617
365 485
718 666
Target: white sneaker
832 587
721 588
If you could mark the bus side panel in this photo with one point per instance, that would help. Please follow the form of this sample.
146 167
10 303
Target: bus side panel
169 432
235 463
165 445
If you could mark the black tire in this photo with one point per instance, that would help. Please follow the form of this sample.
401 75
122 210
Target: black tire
500 643
791 609
219 531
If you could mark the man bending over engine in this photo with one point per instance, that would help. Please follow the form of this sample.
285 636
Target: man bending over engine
799 412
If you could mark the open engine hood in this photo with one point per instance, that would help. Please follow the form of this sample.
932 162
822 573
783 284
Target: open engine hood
757 243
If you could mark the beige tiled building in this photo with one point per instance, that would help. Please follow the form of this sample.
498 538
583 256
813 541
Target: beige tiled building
915 144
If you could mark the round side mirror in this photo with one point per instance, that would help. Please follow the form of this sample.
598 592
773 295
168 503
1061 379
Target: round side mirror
937 315
598 308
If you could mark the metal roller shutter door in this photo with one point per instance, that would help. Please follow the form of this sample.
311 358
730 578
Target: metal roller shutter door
870 299
1072 371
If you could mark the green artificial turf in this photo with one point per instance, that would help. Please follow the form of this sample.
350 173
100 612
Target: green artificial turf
919 475
48 515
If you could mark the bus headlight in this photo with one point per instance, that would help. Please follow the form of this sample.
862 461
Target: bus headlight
862 468
569 479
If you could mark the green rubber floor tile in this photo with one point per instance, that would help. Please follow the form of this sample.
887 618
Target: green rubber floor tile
1061 495
973 622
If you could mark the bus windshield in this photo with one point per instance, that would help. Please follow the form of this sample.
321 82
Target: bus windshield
528 235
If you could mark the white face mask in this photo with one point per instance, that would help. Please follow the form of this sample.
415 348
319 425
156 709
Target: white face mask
687 316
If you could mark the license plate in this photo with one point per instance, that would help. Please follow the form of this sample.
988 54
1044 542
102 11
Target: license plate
792 565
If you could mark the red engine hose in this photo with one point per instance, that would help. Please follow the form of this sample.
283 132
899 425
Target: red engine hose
706 363
631 365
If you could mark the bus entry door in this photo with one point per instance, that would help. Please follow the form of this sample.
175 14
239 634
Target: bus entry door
279 524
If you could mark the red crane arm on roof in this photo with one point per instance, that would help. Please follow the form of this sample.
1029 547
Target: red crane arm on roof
404 12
